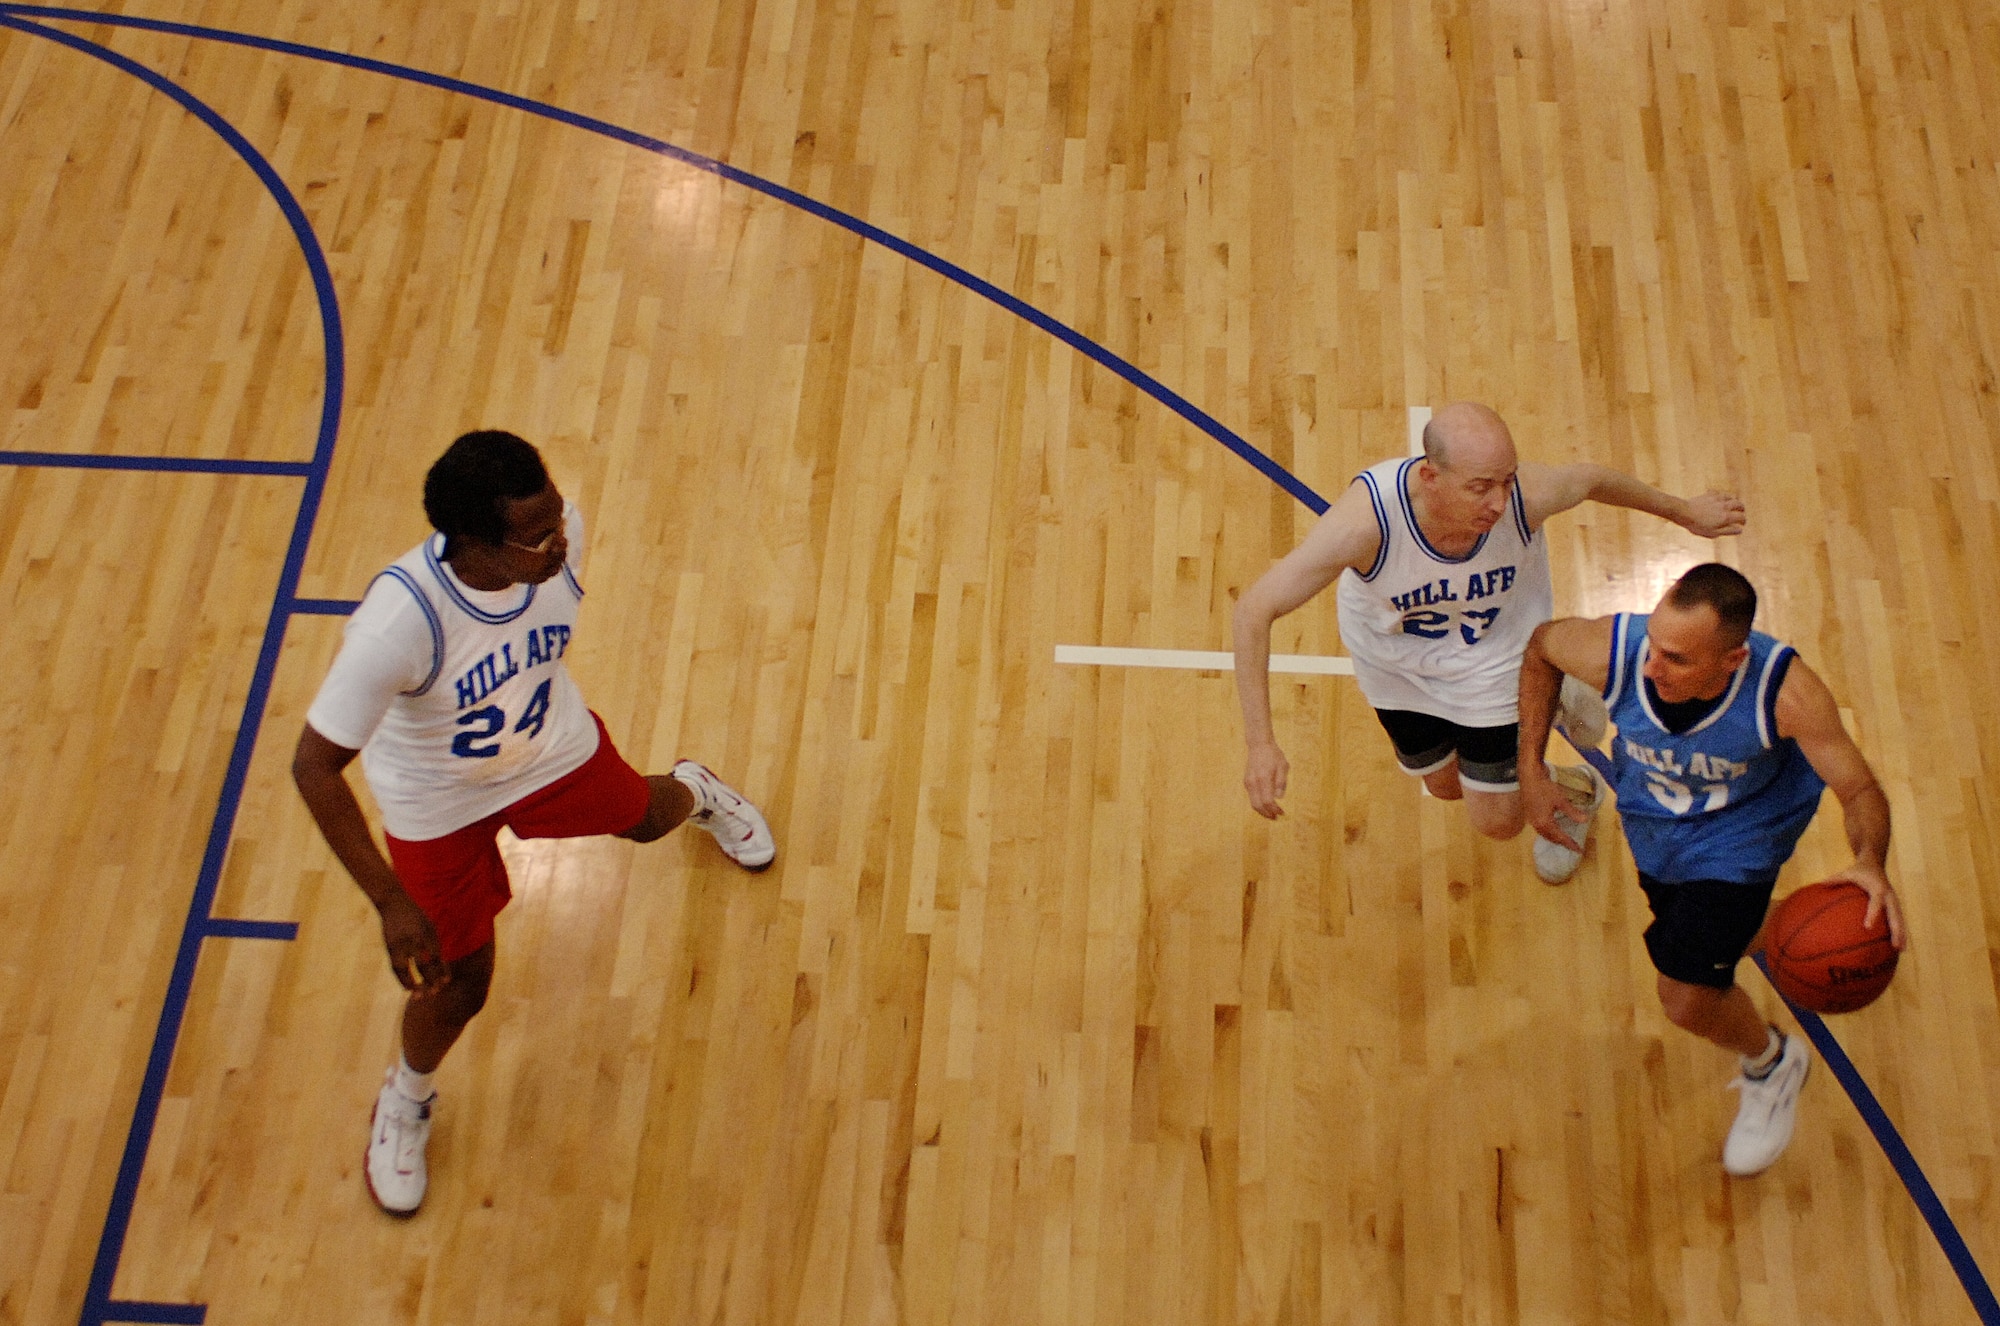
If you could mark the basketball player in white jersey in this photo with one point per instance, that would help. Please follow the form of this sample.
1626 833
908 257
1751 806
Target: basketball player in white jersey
1444 574
451 687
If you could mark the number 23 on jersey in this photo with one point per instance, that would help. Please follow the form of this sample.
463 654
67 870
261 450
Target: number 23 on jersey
1473 623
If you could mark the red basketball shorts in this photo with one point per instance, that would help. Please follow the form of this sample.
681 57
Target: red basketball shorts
460 881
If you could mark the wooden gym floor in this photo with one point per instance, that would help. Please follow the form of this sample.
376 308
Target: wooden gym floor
1034 1021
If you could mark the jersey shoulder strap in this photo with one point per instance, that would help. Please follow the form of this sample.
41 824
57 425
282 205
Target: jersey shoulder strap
1626 629
435 624
1372 480
1770 680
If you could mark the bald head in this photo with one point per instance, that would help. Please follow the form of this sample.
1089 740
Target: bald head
1467 435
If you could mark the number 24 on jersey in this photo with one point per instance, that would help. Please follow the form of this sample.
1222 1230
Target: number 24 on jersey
482 725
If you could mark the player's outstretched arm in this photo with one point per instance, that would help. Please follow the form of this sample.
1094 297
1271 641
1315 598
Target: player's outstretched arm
1808 714
1579 647
412 942
1548 489
1347 535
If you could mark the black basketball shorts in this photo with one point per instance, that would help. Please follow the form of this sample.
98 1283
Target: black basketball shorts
1426 743
1702 928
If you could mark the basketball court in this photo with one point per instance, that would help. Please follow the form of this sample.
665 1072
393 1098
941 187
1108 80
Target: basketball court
932 378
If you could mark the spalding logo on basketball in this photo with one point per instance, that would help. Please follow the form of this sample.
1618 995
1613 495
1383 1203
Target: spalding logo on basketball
1819 955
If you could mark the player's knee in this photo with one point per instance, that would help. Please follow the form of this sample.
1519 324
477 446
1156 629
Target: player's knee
1688 1007
1495 815
466 995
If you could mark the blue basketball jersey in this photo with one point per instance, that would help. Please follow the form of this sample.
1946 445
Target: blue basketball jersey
1725 800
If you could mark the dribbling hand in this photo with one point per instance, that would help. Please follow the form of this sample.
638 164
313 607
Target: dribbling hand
415 955
1264 779
1714 514
1882 899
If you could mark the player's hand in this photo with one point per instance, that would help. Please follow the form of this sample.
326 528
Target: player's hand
1882 899
1549 810
1264 779
1714 514
414 952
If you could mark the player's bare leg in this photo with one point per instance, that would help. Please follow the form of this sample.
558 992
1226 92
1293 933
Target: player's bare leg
1726 1017
1443 783
673 801
400 1128
1774 1068
1497 815
432 1020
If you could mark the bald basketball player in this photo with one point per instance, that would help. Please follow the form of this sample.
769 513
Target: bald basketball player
1444 574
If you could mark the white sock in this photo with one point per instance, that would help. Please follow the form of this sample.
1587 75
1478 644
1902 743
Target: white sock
1760 1067
692 782
413 1085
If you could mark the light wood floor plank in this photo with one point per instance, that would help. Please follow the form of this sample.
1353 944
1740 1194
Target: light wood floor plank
1032 1020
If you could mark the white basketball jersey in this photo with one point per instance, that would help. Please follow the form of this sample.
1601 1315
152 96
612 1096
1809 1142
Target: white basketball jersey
489 714
1443 635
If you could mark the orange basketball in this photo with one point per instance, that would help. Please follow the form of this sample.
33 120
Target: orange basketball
1820 957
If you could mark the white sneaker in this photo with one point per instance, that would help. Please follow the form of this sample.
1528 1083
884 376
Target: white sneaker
1767 1111
728 816
1580 783
1580 715
396 1138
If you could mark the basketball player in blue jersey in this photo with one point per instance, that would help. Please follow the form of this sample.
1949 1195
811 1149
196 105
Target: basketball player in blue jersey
1444 573
450 685
1725 741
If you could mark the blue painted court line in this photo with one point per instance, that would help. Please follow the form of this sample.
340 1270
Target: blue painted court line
1076 340
224 927
64 460
191 1314
324 607
1963 1264
1893 1147
98 1305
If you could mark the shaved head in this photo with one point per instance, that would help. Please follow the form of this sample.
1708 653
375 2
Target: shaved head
1466 434
1725 591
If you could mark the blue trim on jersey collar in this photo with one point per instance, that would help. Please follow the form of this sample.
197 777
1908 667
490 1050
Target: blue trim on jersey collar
407 581
1714 715
1367 480
1417 531
445 578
